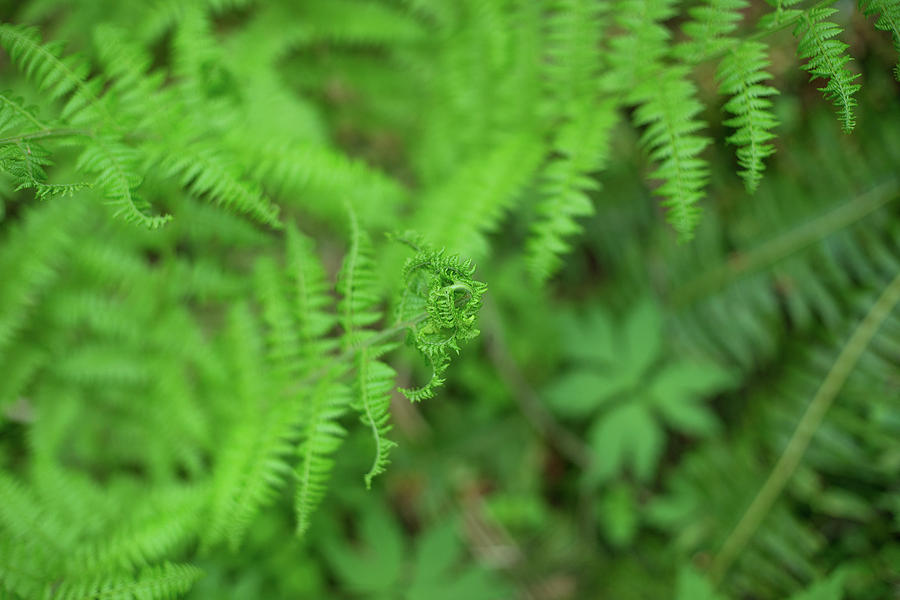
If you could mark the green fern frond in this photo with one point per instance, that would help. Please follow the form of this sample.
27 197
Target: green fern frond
636 53
33 254
358 309
582 146
20 153
888 12
160 526
358 287
740 75
322 436
205 171
164 582
58 77
669 110
116 167
573 50
252 464
312 298
17 118
709 29
373 386
439 304
827 59
458 214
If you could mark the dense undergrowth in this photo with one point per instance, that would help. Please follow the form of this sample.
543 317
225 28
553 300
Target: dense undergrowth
245 351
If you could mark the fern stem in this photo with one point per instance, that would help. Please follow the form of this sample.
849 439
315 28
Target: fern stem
43 134
349 353
759 35
567 443
806 429
779 248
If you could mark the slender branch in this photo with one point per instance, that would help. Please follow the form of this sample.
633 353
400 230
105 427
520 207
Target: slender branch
793 240
347 354
566 442
43 134
806 429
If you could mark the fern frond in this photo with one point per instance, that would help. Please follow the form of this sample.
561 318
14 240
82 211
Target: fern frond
58 77
165 523
252 464
116 168
165 582
638 51
20 153
205 171
582 146
373 386
322 436
358 309
312 298
827 59
32 255
740 75
888 12
358 287
444 288
573 41
709 29
18 118
669 108
459 213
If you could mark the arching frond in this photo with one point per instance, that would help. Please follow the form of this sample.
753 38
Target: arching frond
827 59
888 12
669 110
58 77
740 75
710 28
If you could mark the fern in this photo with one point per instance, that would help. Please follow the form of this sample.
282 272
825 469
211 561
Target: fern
116 168
58 77
827 60
669 110
252 465
444 287
710 28
374 380
888 12
159 582
740 75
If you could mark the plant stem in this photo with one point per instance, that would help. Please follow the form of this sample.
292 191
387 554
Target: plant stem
806 429
347 354
43 134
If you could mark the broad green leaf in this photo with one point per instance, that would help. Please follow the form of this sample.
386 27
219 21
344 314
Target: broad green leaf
678 391
441 574
688 379
642 336
579 393
618 515
830 588
693 586
375 564
627 435
591 339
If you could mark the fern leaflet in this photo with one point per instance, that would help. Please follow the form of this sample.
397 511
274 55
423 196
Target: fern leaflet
740 75
827 59
669 109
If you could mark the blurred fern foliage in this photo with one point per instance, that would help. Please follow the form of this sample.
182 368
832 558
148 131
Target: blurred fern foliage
245 351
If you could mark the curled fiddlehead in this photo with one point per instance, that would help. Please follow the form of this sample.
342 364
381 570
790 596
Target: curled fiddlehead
439 302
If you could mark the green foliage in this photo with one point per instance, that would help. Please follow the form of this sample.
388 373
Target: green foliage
204 391
620 372
379 565
826 60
